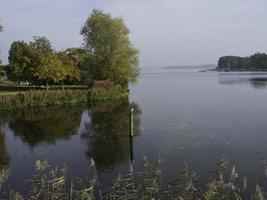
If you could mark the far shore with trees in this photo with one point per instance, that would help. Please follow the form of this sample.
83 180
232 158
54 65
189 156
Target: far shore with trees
256 62
102 68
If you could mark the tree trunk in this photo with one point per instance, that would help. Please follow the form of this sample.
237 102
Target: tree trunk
47 86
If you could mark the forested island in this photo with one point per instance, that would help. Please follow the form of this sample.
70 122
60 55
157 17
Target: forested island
256 62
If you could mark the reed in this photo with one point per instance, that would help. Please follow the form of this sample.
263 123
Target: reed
41 98
53 183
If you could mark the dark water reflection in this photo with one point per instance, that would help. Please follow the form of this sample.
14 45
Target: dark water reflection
72 135
107 134
45 125
256 81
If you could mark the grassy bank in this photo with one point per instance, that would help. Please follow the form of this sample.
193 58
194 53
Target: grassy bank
39 98
49 183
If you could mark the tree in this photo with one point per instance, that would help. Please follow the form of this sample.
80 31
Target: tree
41 44
36 63
1 29
23 60
259 61
50 68
112 54
2 71
69 66
82 59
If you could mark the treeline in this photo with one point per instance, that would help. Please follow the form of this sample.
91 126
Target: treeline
106 55
36 63
256 62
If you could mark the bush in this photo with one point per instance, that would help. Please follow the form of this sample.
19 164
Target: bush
101 91
43 98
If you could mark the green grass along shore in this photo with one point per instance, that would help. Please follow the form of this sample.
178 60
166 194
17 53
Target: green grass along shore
41 98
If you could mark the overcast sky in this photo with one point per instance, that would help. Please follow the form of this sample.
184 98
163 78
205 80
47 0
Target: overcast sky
167 32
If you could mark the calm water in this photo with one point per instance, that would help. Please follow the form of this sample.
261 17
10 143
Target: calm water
180 115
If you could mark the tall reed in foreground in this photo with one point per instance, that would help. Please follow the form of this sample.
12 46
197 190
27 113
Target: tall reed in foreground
53 183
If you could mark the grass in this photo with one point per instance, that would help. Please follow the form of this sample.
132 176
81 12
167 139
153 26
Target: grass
14 97
53 183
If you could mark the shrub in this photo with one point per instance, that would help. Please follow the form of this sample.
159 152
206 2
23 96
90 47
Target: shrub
103 90
43 98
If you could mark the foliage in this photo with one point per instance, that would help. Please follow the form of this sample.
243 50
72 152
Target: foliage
103 90
1 29
70 68
43 98
23 61
2 71
42 44
112 55
82 59
40 98
36 63
256 62
50 68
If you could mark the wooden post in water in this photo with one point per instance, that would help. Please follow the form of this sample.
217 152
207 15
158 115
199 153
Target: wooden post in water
131 122
131 133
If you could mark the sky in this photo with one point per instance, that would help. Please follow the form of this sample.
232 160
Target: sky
167 32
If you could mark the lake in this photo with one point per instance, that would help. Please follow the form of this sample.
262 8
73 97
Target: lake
181 115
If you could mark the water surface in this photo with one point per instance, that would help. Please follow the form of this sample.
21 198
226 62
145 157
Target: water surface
180 114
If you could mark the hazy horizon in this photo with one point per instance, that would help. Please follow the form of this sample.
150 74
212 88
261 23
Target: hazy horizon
167 32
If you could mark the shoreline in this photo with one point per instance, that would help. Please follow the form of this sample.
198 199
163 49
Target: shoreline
40 98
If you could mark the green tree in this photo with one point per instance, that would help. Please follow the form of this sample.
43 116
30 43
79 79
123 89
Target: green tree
50 69
82 59
112 54
41 44
69 66
259 61
1 29
57 68
2 71
36 63
23 60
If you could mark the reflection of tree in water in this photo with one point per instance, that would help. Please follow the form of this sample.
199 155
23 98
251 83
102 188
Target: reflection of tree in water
4 117
45 125
4 161
257 83
108 133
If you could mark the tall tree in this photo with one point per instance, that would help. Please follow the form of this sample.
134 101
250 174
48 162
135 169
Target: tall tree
23 60
42 44
50 68
82 59
112 54
37 63
69 66
1 29
2 71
